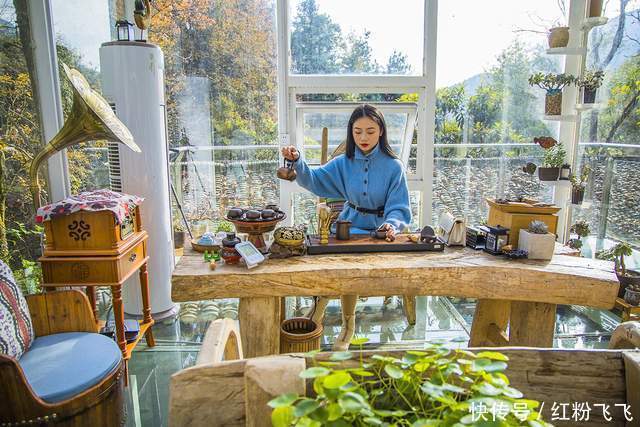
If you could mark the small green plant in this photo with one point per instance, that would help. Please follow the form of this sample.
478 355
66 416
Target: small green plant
591 80
538 227
581 228
551 82
617 254
575 244
580 182
434 386
224 226
554 156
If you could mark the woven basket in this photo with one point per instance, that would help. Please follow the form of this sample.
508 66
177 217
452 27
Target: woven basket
299 335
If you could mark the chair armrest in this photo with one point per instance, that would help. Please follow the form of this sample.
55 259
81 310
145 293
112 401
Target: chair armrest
221 342
61 311
626 335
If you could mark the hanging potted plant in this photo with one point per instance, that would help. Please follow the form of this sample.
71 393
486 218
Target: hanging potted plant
589 84
178 235
595 8
578 185
553 85
625 276
554 154
558 36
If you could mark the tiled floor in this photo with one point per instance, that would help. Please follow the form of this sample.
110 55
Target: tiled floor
178 339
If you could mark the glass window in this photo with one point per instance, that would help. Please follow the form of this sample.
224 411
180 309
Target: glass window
356 37
609 133
486 113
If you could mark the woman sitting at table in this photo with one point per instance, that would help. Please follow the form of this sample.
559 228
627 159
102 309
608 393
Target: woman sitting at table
371 178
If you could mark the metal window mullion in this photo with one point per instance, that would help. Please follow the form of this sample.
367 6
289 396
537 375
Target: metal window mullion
282 52
49 98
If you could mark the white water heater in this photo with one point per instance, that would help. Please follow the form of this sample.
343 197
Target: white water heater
133 83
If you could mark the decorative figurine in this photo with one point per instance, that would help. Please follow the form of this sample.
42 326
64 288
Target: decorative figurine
324 223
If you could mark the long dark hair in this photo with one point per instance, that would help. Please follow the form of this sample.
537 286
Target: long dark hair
366 110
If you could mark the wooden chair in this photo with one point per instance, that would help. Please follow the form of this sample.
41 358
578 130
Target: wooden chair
223 389
98 405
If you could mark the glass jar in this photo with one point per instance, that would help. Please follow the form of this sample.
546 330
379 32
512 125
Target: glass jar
229 253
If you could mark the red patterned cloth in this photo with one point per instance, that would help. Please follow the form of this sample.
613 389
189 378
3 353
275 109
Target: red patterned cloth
16 330
100 200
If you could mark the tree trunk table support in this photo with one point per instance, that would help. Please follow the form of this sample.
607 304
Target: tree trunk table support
517 299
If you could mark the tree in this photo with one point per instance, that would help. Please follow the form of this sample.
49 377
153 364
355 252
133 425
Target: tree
316 41
398 63
358 55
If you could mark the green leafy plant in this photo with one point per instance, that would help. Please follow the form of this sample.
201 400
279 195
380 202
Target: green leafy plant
591 80
224 226
538 227
551 82
580 182
436 386
581 228
575 244
617 254
554 156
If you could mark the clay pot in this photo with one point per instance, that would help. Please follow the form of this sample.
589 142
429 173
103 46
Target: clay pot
577 195
548 174
553 103
632 297
558 37
229 253
632 278
178 239
595 8
343 230
588 95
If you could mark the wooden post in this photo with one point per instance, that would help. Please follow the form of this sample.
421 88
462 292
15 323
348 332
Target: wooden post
490 323
532 324
118 315
409 306
146 306
632 374
260 325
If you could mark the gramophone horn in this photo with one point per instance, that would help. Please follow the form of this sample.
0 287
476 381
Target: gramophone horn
91 119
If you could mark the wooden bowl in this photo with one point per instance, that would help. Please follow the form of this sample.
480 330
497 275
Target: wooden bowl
202 248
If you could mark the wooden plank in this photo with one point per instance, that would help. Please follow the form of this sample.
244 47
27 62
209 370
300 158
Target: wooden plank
460 272
490 323
61 311
360 243
532 324
259 326
632 374
266 379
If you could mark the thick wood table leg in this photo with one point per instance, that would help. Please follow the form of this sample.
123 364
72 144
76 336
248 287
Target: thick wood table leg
260 326
91 295
409 306
532 324
118 318
146 306
490 323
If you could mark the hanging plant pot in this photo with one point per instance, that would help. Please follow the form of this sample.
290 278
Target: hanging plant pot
595 8
548 174
299 335
577 195
558 37
553 103
588 95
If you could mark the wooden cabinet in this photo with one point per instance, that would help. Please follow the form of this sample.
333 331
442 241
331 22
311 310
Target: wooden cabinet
518 216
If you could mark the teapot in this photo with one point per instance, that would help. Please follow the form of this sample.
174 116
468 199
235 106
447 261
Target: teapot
287 172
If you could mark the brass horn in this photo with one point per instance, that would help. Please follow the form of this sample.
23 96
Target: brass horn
91 119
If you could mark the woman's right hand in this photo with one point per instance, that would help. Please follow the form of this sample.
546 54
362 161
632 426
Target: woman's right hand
290 153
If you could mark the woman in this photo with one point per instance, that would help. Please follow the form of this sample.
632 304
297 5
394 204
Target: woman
371 179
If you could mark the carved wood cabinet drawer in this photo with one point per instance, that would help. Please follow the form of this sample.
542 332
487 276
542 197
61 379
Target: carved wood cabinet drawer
108 270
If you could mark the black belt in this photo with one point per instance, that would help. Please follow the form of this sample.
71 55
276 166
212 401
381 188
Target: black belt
379 212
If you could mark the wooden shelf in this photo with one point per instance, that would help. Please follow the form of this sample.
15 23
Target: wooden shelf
585 107
561 118
559 183
143 330
596 21
567 51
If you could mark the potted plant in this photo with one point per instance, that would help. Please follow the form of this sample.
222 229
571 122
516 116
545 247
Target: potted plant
632 295
558 36
589 84
178 235
553 84
554 154
537 241
625 276
581 229
578 185
433 386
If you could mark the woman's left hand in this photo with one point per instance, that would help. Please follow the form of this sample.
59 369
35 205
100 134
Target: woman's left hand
391 231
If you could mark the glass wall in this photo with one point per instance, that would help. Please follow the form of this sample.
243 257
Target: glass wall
610 134
356 37
486 113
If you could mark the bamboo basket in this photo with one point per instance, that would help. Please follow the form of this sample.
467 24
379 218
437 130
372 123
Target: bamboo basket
299 335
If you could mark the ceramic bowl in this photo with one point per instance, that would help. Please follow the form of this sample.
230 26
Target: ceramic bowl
288 236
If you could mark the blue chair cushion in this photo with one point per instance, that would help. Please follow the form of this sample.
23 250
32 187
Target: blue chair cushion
60 366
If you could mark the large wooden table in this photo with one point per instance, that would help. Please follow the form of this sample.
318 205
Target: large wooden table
517 299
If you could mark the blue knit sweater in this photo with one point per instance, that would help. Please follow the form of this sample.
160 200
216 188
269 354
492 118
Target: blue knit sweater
368 181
